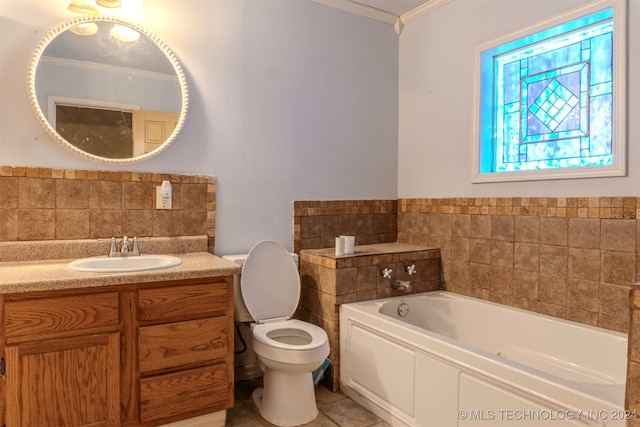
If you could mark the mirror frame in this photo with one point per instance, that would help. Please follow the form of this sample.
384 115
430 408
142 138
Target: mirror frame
48 127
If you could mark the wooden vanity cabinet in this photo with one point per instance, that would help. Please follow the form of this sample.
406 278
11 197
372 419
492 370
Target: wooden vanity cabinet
145 354
62 364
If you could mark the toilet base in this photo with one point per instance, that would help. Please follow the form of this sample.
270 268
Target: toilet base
286 399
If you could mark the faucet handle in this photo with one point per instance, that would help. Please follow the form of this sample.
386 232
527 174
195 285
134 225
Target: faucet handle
136 247
386 273
113 249
410 269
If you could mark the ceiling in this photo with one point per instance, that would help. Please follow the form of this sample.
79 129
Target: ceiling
395 7
395 12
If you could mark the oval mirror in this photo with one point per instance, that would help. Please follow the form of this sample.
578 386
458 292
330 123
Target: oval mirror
107 89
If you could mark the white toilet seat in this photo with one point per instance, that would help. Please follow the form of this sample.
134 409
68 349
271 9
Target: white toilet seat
309 354
317 336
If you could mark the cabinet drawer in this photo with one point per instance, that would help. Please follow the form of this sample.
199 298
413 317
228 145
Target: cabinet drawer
53 316
182 343
197 390
177 302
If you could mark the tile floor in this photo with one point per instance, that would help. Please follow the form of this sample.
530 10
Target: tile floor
336 410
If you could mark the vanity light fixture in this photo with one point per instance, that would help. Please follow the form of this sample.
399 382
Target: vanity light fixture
109 3
85 7
130 10
126 9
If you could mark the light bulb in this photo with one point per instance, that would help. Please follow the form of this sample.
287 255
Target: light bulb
111 4
85 7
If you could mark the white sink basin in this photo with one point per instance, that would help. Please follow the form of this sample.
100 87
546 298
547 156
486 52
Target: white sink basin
123 264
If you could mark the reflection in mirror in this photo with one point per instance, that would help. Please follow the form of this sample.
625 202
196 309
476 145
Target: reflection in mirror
108 90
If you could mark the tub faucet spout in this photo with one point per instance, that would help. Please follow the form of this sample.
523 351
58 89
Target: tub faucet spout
402 285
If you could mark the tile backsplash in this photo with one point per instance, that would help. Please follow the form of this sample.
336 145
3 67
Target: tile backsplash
317 223
66 204
573 258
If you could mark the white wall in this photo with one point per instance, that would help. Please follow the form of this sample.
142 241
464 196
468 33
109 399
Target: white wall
290 100
436 101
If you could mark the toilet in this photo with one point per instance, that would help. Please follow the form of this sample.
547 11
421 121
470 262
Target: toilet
267 293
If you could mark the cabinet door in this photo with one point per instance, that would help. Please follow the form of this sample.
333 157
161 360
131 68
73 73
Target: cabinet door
64 382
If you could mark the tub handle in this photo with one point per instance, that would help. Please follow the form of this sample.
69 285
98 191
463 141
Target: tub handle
386 273
410 269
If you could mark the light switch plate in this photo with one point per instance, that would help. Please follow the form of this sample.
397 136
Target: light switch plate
162 202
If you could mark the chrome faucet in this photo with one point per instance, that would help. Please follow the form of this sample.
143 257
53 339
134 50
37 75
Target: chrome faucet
401 285
125 245
124 249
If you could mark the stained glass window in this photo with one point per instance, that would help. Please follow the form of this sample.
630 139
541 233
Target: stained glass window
547 99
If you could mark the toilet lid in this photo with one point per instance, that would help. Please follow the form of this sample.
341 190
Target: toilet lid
270 283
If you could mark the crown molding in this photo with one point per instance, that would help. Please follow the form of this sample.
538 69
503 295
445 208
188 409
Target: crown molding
398 22
360 9
422 10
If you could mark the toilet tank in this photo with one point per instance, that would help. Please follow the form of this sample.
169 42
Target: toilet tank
240 312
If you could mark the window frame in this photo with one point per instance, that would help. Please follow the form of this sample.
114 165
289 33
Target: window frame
619 121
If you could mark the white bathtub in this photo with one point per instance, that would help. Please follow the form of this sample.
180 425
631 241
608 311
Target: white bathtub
460 361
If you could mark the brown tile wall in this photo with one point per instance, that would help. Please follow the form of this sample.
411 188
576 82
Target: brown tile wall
573 258
327 283
317 223
633 365
66 204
